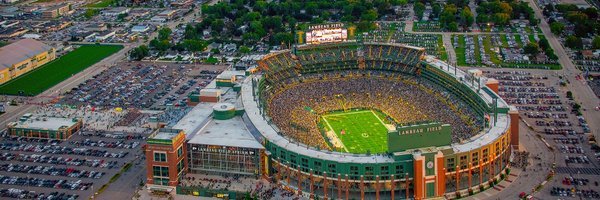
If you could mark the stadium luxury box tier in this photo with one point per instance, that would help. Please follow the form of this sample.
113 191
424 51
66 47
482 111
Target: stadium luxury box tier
377 121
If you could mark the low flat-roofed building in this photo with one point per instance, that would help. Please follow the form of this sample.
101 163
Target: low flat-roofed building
12 32
158 19
139 28
31 36
96 27
45 127
139 13
116 11
23 56
168 14
105 35
182 3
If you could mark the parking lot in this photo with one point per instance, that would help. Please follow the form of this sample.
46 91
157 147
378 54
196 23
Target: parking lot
143 85
548 109
54 169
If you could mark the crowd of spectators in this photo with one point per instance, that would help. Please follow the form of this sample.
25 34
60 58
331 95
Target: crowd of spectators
402 98
94 119
595 85
379 56
520 160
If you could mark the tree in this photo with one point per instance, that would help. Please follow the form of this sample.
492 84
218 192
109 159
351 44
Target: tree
194 45
557 28
190 32
506 8
436 9
574 42
448 16
550 53
369 15
501 18
139 53
591 12
419 8
576 17
532 48
217 25
282 38
89 13
453 26
164 33
257 27
596 42
272 23
466 17
364 26
160 45
121 16
543 43
244 50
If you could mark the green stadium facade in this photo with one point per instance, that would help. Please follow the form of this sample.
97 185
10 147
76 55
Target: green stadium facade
425 170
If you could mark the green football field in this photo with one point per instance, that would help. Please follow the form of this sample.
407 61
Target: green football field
365 130
54 72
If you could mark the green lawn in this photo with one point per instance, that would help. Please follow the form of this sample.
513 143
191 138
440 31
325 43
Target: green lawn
101 4
487 47
477 50
3 43
504 40
460 51
441 49
531 38
518 40
364 129
58 70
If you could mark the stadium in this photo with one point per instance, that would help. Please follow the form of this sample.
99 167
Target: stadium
344 118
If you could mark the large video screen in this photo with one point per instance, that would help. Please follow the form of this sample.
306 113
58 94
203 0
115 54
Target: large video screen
326 35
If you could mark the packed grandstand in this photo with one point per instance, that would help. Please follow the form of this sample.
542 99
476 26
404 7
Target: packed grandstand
303 85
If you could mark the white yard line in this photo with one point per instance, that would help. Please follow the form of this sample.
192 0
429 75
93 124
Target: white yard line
338 114
335 134
378 118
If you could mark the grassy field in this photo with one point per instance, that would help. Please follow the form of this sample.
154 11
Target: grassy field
504 40
101 4
477 50
364 129
487 47
3 43
460 51
442 50
518 40
58 70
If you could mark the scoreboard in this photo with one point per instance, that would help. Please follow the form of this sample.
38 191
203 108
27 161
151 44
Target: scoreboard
431 134
326 33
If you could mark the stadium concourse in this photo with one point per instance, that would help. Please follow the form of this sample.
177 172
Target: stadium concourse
447 131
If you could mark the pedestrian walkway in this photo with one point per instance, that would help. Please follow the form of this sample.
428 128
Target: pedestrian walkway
514 174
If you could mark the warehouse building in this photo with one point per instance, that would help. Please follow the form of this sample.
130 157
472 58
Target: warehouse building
44 127
23 56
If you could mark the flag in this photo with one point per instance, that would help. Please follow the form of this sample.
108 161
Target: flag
343 132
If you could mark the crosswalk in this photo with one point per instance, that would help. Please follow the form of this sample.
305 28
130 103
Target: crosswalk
574 170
